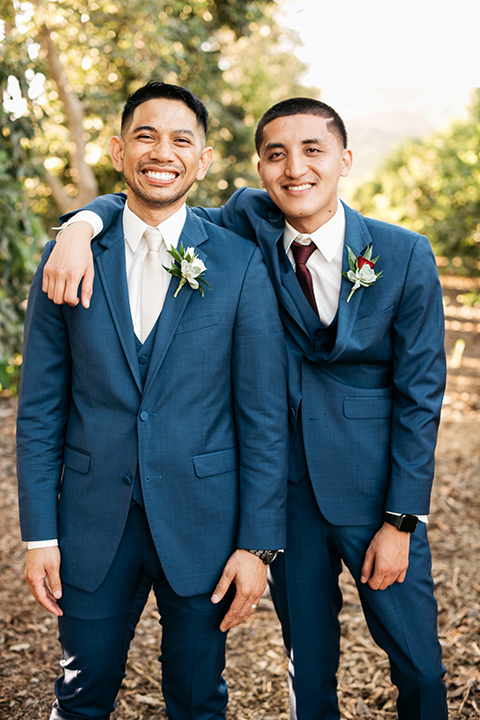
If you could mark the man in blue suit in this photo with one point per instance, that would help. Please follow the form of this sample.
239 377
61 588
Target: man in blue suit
361 306
152 430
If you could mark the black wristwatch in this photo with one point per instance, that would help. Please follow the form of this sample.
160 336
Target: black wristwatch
267 556
404 523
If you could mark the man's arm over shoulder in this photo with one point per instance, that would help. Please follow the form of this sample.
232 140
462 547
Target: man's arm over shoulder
71 261
241 212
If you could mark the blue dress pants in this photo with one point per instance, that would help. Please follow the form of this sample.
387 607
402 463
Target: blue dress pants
402 618
96 628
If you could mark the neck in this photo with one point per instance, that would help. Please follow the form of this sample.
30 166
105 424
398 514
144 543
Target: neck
309 225
152 216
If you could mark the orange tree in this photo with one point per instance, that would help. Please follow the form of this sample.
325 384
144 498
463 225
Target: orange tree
433 186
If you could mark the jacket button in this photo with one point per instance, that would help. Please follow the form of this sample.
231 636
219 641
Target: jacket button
127 480
144 416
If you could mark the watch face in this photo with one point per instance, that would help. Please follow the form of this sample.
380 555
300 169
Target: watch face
408 523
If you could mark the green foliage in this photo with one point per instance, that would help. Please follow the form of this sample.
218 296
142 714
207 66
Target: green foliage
231 53
76 62
20 235
432 186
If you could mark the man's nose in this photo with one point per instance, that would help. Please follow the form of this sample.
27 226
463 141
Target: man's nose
296 165
162 151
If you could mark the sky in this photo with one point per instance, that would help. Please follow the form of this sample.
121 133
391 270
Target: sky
376 55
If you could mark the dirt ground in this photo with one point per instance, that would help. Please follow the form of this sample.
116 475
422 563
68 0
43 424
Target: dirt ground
29 652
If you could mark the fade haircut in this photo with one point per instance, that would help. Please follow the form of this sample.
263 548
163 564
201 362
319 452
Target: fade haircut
153 90
302 106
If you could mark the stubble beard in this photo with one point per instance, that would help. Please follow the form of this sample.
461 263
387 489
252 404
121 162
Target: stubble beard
152 202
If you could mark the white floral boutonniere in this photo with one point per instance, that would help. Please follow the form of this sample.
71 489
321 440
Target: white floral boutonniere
189 269
361 272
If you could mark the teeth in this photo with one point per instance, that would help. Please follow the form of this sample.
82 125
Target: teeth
299 187
160 175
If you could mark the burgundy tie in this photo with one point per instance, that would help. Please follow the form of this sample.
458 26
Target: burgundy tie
301 253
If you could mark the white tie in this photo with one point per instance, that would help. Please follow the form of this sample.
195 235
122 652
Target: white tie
152 281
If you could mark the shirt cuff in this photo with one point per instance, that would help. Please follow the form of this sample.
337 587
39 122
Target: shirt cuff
86 216
34 544
422 518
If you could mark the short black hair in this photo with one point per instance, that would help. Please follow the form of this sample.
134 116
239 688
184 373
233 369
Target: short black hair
302 106
153 90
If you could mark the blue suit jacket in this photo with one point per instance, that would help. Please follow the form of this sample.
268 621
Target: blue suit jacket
207 431
369 397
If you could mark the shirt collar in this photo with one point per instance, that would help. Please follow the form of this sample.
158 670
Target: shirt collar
171 228
328 237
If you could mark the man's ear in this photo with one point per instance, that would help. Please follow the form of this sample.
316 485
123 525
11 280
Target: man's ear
116 152
347 163
259 172
206 158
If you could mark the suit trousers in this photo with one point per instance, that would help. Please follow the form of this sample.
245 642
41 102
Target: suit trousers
402 618
96 628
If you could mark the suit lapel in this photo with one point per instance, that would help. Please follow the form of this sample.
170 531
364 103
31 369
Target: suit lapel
111 269
357 238
269 233
193 235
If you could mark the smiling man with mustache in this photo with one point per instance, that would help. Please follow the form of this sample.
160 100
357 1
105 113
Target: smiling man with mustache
152 430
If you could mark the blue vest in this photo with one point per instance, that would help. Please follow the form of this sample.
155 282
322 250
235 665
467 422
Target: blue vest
144 353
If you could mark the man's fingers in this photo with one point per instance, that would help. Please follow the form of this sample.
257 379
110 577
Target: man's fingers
240 609
87 286
222 585
43 564
70 261
367 566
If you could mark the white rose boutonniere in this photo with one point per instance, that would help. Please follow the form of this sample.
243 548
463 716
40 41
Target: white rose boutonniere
361 272
188 267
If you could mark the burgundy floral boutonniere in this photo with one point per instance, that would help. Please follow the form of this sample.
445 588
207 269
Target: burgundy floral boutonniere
361 272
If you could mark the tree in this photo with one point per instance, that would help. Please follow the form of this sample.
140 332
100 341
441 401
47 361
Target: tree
432 186
73 63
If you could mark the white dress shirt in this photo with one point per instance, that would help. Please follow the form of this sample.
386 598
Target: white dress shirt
135 251
325 266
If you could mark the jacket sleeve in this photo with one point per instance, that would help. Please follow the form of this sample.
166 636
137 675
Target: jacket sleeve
419 376
43 407
106 206
261 412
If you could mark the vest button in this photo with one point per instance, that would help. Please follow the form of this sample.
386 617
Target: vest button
144 416
127 480
143 359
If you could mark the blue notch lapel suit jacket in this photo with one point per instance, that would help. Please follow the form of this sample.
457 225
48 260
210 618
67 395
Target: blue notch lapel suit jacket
206 431
370 394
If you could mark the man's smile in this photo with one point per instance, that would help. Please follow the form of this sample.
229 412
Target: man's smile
298 188
161 176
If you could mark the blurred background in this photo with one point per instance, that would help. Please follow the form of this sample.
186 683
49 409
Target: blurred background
403 77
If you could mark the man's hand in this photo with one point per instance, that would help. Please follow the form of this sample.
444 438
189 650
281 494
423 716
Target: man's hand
386 560
249 574
44 564
71 260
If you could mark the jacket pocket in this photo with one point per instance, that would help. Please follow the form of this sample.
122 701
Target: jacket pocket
199 323
76 460
373 320
215 463
358 408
